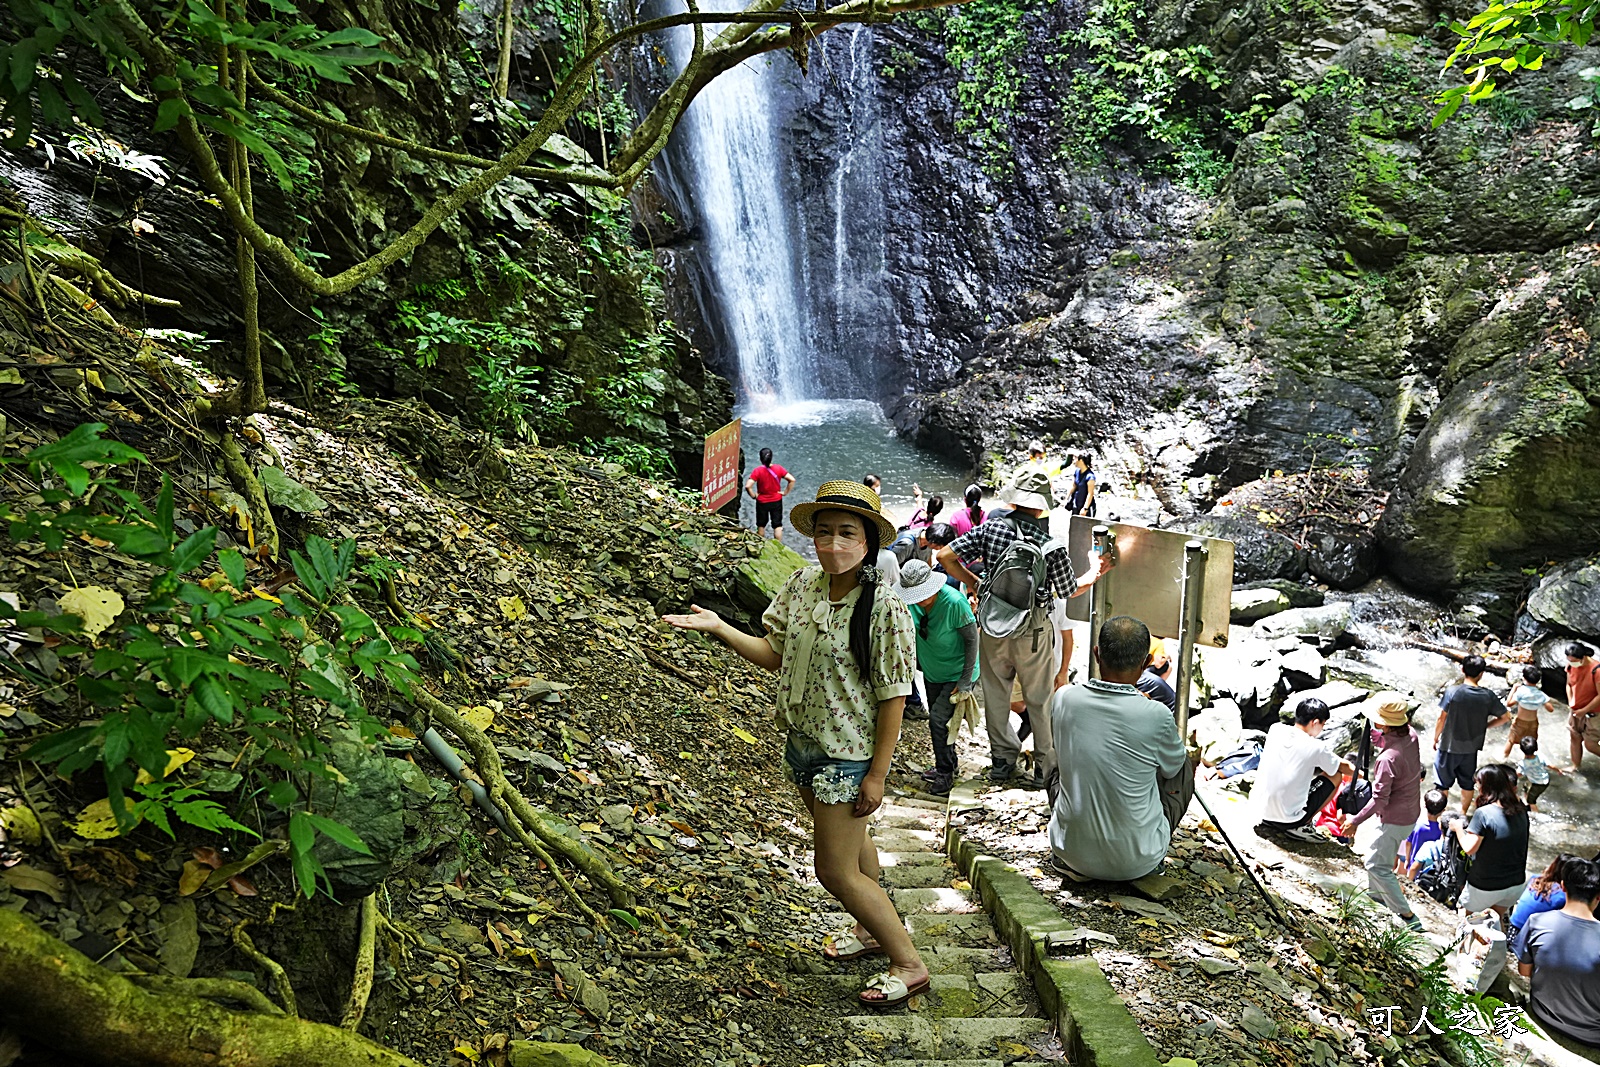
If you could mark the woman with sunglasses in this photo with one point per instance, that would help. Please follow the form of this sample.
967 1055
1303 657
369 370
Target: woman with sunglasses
844 649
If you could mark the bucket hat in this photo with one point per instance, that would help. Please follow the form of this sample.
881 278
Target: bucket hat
841 495
1388 708
1030 489
918 582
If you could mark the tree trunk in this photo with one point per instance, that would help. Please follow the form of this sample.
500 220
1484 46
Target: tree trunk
53 994
502 80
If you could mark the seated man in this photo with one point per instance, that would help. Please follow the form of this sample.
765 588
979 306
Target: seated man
1112 745
1561 951
1296 774
1155 682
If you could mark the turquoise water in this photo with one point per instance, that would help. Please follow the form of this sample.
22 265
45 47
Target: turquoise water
819 440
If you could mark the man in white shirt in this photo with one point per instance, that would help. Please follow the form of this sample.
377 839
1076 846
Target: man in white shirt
1296 775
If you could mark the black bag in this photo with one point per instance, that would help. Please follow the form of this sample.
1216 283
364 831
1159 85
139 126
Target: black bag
1357 793
1177 792
1446 879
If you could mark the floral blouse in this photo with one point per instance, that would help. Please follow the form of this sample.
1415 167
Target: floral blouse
821 693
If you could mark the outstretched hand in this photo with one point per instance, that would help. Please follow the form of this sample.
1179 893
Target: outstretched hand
697 619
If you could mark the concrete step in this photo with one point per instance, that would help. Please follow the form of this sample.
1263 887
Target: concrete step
920 876
967 931
912 1036
900 800
898 839
940 899
918 858
951 996
893 815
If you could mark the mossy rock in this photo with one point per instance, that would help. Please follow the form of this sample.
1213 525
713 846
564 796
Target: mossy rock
757 580
1502 478
552 1054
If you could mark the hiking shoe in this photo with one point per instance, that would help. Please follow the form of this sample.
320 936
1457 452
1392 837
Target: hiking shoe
1413 922
916 713
930 775
1308 834
1002 771
1037 781
940 785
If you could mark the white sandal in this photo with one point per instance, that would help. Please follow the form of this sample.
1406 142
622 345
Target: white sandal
894 989
847 946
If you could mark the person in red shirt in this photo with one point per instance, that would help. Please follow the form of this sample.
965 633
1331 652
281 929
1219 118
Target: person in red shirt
1583 724
769 484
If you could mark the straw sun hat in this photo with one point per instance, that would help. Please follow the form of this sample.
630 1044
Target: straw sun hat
840 495
1388 709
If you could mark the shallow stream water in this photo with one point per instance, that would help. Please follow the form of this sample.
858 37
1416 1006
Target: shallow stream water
819 440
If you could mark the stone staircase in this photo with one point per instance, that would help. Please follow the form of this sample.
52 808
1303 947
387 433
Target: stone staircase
981 1010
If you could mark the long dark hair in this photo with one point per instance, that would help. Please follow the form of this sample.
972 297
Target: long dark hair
1497 784
974 498
1552 874
935 505
861 617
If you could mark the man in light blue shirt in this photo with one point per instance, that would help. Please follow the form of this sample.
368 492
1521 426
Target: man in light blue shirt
1112 743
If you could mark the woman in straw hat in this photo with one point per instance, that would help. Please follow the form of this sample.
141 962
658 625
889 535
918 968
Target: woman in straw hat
1396 800
845 652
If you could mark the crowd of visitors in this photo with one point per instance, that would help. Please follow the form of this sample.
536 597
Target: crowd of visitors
973 600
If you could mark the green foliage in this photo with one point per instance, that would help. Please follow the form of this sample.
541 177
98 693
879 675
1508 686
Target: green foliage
647 461
42 88
269 677
1123 87
1504 38
983 41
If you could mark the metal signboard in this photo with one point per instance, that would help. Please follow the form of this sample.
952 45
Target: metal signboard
719 472
1147 581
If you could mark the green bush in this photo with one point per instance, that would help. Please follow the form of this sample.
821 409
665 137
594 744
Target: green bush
271 676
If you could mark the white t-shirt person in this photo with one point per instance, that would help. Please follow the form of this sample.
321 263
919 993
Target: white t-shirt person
1290 760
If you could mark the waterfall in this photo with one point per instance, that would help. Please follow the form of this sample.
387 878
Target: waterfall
744 208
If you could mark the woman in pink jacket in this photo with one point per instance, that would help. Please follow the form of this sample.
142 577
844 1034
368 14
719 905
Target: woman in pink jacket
1396 800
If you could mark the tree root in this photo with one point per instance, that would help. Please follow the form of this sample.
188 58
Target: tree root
280 980
53 994
211 989
366 957
526 821
264 530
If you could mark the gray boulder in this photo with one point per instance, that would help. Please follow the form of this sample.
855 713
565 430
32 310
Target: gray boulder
1328 621
1568 597
1300 596
1259 553
1250 605
1346 557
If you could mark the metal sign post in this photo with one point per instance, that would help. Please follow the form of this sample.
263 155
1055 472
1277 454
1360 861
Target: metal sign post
1194 579
1105 546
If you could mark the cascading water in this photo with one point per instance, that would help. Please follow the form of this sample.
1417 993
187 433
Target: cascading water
744 210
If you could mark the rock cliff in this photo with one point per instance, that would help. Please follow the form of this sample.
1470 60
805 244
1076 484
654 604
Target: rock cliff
1363 292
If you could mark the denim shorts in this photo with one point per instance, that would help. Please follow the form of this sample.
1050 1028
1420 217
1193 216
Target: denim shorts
1455 768
831 781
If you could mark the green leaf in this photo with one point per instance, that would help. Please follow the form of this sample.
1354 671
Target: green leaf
164 510
338 832
353 35
59 746
215 698
626 917
288 493
232 564
169 112
196 547
302 832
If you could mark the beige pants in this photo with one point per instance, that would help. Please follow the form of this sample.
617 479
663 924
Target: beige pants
1026 658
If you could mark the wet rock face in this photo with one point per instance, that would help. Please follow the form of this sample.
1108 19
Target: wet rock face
1568 598
1365 292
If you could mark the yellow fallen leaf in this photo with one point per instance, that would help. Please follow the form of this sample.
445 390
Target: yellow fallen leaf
96 605
93 378
467 1051
513 608
590 827
266 596
96 823
176 757
193 877
21 825
479 716
744 735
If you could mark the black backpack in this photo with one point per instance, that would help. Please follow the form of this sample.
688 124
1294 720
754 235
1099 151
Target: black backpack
1357 793
1445 880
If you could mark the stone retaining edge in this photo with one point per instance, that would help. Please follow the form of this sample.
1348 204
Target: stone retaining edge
1094 1021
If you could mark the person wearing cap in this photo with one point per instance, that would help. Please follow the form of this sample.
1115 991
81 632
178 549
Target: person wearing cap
844 649
1396 801
1153 682
1030 653
947 655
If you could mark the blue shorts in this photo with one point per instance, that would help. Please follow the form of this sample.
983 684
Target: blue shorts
1455 768
831 781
